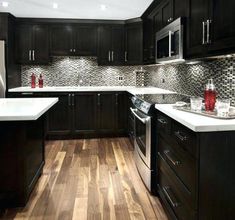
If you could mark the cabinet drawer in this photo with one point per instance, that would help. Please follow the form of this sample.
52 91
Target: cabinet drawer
185 138
174 192
163 125
183 166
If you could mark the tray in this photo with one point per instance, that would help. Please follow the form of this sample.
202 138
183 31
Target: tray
213 114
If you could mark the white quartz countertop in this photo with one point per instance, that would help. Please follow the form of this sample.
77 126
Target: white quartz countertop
195 122
130 89
24 109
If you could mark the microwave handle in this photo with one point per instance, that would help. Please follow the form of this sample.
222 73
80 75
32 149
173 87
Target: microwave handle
170 38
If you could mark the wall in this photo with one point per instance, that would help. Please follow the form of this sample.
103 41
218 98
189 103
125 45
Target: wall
83 71
191 79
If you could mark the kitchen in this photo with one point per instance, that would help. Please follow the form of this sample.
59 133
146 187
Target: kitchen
117 112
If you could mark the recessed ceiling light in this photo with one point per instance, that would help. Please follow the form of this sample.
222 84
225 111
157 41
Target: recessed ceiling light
55 5
103 7
5 4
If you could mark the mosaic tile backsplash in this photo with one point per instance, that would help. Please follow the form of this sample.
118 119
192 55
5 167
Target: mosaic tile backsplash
83 71
191 79
182 78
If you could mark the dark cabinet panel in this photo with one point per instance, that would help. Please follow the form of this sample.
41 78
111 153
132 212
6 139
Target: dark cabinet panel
180 8
59 116
85 40
23 43
122 112
61 40
222 28
41 44
106 112
198 12
111 45
85 113
167 12
134 44
32 44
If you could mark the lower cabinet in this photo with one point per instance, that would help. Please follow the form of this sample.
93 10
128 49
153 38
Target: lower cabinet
195 171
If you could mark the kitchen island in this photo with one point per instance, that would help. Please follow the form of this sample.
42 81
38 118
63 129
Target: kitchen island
22 147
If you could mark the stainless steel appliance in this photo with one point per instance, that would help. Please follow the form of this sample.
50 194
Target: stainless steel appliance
2 70
145 138
170 43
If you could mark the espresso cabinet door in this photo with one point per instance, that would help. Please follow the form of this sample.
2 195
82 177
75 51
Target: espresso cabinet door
222 28
121 112
61 40
198 13
104 45
134 44
84 113
59 116
85 40
106 112
167 12
23 44
40 44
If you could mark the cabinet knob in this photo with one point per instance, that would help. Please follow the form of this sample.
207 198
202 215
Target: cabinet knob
71 50
74 50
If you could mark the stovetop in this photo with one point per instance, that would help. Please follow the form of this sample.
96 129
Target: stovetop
146 102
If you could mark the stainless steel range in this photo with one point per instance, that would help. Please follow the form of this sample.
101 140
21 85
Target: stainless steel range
145 133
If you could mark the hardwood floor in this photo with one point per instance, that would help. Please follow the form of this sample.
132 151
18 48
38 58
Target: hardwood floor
89 179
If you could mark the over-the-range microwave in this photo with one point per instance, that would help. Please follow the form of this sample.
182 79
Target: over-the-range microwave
170 43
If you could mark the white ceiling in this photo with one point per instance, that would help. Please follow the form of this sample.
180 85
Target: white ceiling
80 9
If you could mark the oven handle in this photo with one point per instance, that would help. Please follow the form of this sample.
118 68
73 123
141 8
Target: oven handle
144 120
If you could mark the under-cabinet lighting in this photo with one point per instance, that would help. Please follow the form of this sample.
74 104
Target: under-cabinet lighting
5 4
55 5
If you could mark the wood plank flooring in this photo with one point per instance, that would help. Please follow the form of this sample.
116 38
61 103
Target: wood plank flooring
89 179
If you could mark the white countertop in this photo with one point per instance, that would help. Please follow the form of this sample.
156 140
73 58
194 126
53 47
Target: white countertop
195 122
130 89
24 109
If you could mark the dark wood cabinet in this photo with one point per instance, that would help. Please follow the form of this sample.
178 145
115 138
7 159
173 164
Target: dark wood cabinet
106 112
32 44
195 178
84 113
59 116
210 28
61 41
73 40
111 45
121 107
134 43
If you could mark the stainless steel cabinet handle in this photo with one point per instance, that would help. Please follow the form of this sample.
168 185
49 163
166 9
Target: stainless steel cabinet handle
30 55
162 121
98 99
180 136
143 120
74 50
170 33
109 56
203 32
166 190
168 155
112 56
208 23
69 100
116 99
125 56
71 50
27 93
73 102
33 55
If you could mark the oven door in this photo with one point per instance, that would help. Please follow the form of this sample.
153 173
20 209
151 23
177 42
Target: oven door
142 136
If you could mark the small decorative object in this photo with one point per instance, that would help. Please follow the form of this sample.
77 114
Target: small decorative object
40 81
33 80
210 96
196 103
223 106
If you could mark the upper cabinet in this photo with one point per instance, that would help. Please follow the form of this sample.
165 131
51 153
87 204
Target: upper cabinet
211 29
32 44
73 40
111 45
134 43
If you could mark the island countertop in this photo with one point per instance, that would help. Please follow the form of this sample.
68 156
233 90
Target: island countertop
24 109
